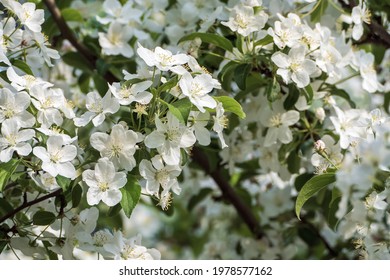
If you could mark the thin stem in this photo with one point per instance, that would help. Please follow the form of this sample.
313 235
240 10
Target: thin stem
12 249
312 10
346 79
338 8
26 204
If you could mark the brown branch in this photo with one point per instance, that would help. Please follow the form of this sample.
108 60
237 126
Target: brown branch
228 192
68 34
243 210
26 204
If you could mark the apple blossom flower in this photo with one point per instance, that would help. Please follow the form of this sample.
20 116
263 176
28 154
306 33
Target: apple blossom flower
13 106
220 122
28 15
164 60
198 121
104 183
116 40
47 101
97 107
119 146
133 93
294 66
278 121
14 140
169 138
287 32
56 158
129 249
197 89
244 21
159 175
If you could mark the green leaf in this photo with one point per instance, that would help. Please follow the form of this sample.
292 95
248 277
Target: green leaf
5 207
292 97
114 210
100 84
231 105
184 105
343 94
215 39
131 194
319 10
63 182
311 187
226 74
196 199
6 170
273 91
43 218
83 82
265 41
333 207
168 85
23 66
241 72
174 111
77 192
70 14
77 61
309 94
293 162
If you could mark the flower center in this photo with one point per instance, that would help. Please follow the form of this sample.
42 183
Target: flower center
103 186
295 66
127 252
125 92
116 150
276 120
11 139
165 59
47 103
172 135
9 111
196 89
55 157
162 176
100 238
241 21
96 107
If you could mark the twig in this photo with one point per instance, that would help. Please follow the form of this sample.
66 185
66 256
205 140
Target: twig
26 204
68 34
243 210
228 192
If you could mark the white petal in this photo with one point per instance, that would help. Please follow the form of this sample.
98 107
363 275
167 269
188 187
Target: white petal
67 170
281 60
290 118
99 141
154 139
112 197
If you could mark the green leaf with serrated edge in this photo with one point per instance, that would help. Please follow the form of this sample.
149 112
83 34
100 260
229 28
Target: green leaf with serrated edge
319 10
265 41
231 105
241 72
23 66
6 170
131 194
43 218
311 187
174 111
70 14
214 39
77 192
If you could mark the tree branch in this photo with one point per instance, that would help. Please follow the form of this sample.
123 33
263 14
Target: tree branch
26 204
68 34
228 192
198 155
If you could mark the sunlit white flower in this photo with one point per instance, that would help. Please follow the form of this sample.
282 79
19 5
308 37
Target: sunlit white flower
116 12
169 138
119 146
220 123
162 59
25 81
198 122
287 32
98 108
347 126
197 90
56 158
104 183
14 140
294 66
328 154
159 175
47 101
13 106
28 15
133 93
360 14
244 21
365 62
116 40
128 249
278 121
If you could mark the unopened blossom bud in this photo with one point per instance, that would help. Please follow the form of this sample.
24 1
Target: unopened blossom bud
320 114
319 146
